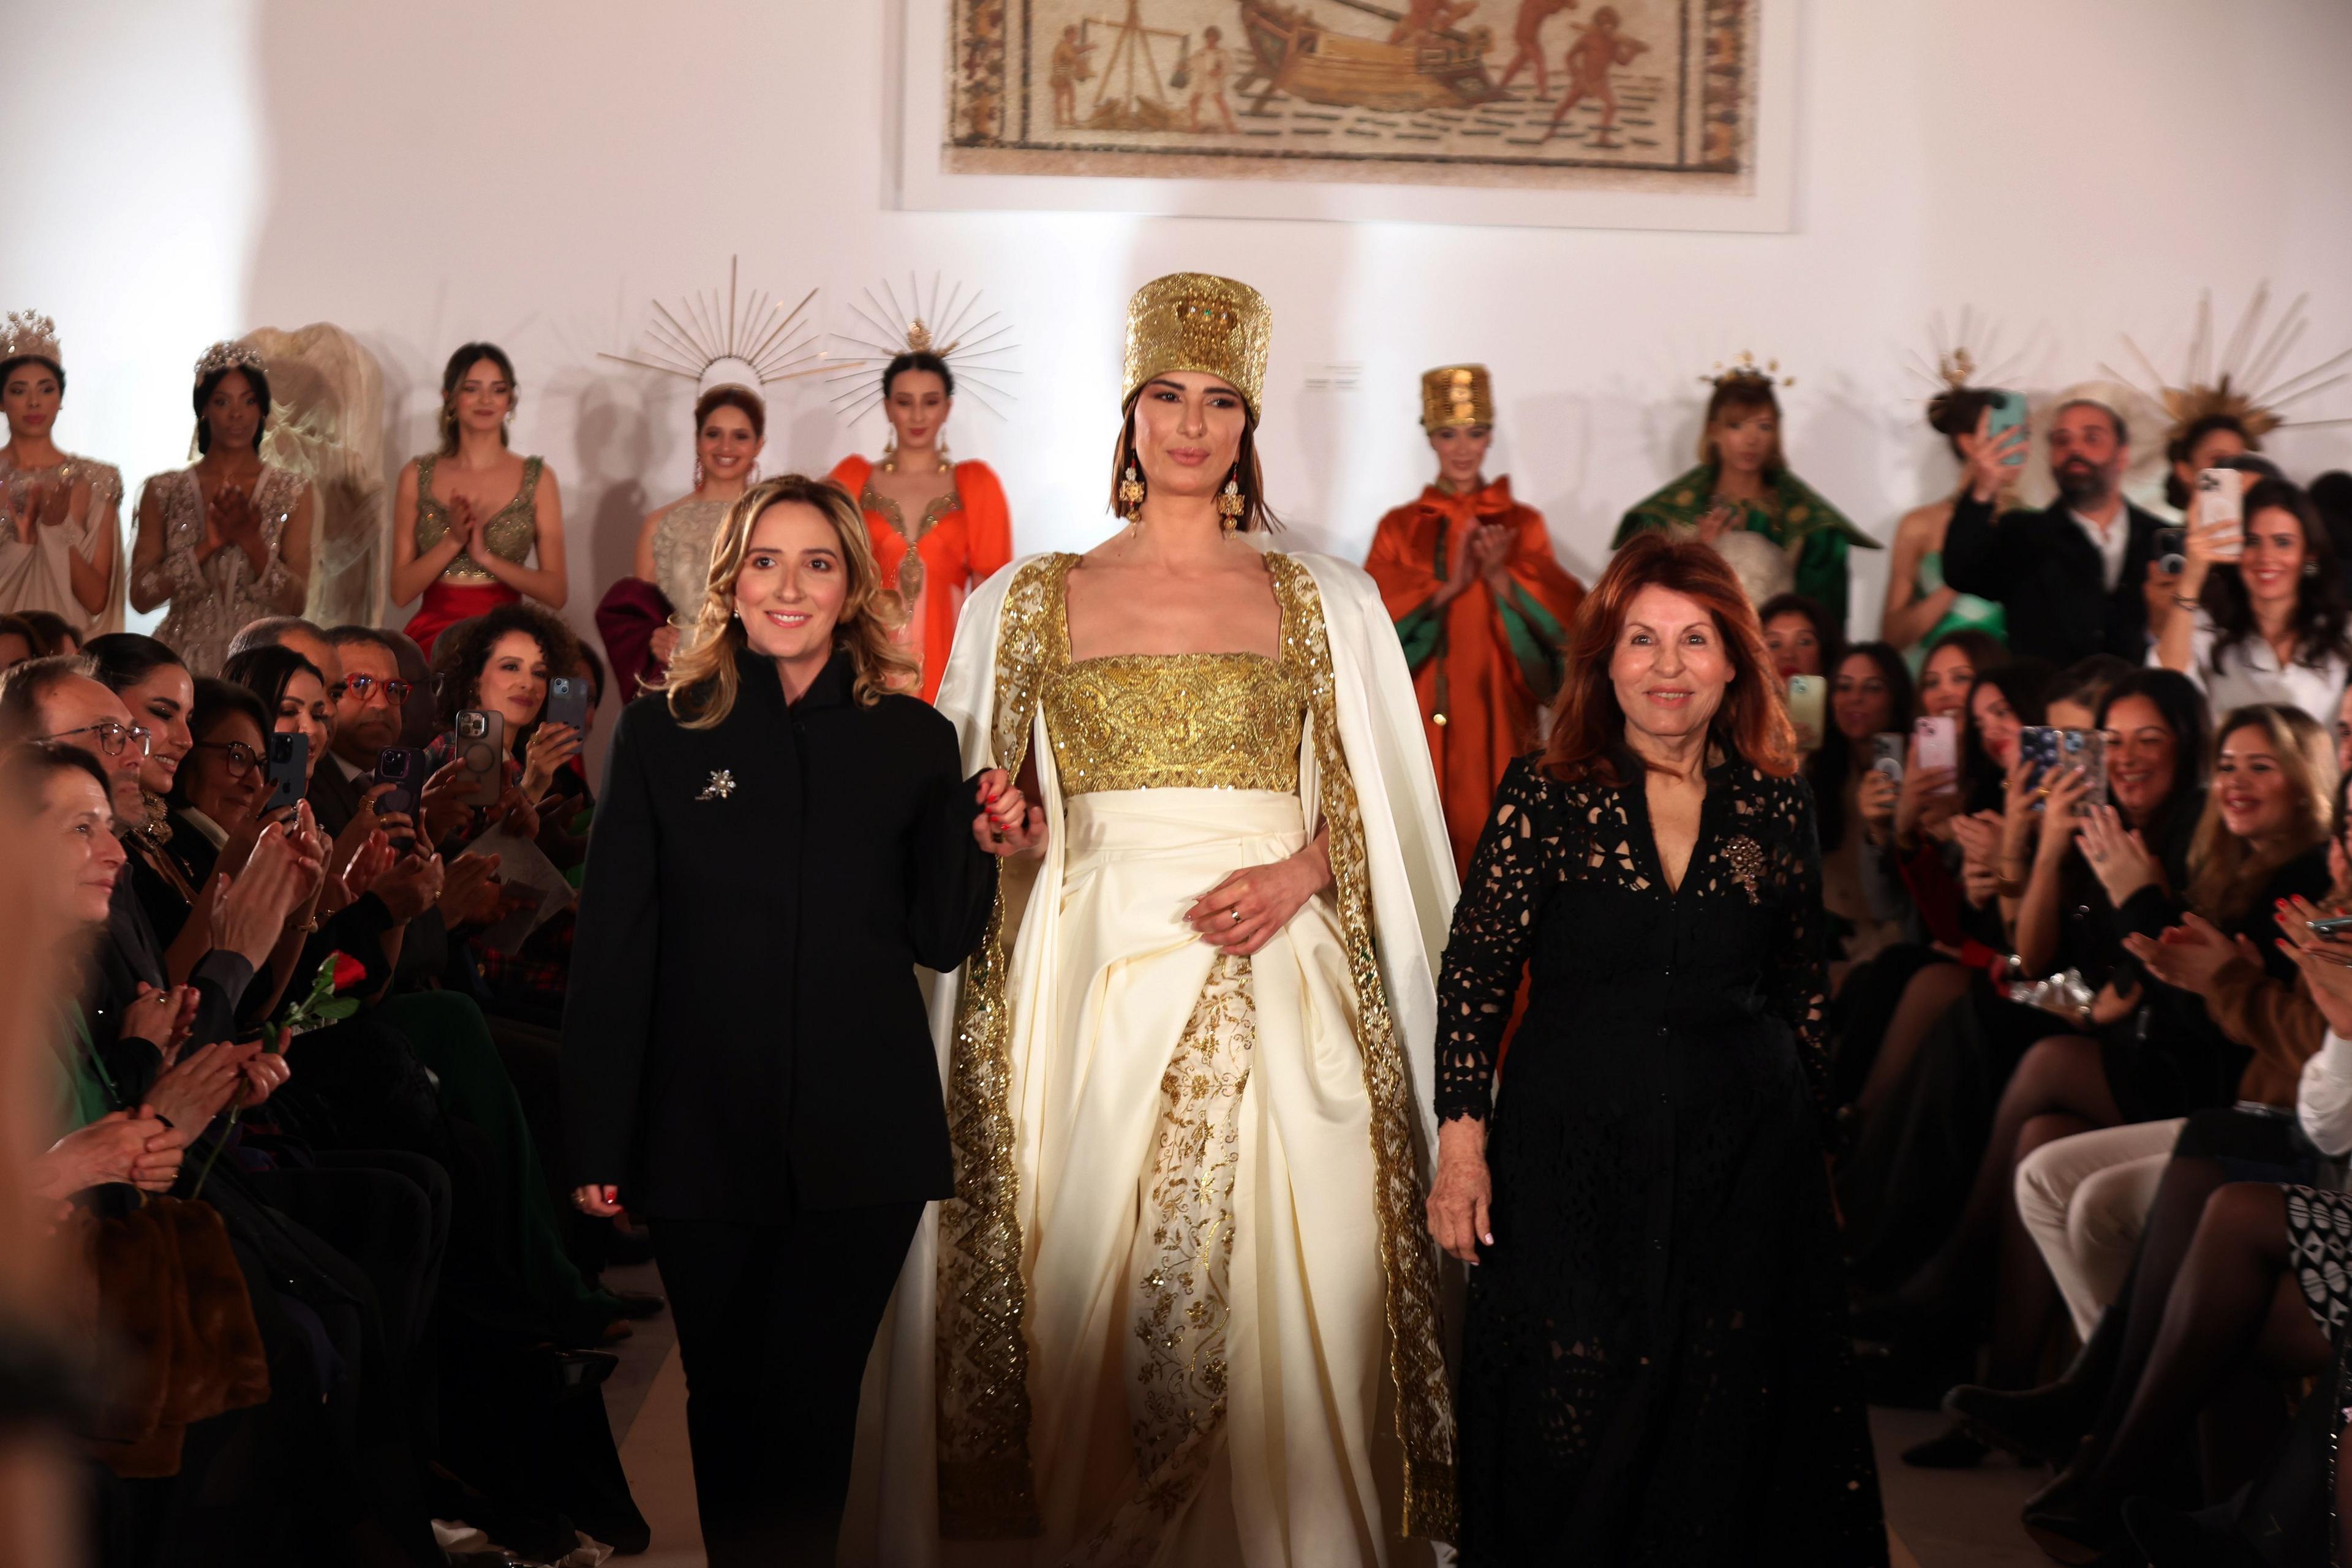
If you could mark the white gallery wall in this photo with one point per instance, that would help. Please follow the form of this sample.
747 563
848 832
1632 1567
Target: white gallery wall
534 173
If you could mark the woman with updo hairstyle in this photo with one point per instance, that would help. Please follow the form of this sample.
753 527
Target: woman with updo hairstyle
468 514
940 528
2200 443
229 540
1743 485
1920 609
731 426
60 535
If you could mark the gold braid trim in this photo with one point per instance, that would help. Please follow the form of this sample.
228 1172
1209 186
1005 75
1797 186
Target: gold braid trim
1416 1363
986 1488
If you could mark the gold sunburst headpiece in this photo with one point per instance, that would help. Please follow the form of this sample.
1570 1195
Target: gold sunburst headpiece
1969 360
2243 382
748 342
1456 394
27 334
1744 369
972 344
1197 321
228 355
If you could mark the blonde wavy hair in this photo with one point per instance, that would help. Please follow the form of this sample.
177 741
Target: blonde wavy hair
702 681
2224 873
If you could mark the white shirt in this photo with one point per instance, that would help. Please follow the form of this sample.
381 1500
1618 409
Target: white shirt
2250 673
2113 541
2324 1103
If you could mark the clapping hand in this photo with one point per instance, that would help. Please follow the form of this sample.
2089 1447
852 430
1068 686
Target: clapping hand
2119 856
1007 824
470 890
191 1092
161 1018
2325 962
2187 956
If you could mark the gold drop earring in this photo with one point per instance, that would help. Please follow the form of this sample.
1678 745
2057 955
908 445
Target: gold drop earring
1232 504
1130 493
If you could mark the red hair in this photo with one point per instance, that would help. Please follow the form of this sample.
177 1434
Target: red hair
1589 726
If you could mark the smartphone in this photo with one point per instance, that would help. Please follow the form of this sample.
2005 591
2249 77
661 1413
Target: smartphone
2045 751
2005 411
287 770
2221 500
2331 925
1886 756
479 741
1939 742
1808 703
567 700
404 768
2171 550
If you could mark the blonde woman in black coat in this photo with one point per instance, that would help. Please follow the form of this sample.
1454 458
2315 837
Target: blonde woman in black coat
784 837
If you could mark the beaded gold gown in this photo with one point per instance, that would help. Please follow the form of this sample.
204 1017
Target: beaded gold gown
1189 1184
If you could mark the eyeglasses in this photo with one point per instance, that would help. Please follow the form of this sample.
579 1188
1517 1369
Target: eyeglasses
111 736
242 759
362 686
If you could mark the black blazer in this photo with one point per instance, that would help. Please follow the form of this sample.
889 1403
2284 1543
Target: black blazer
743 1004
2045 571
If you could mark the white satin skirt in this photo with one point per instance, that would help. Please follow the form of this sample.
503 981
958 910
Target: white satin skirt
1205 1293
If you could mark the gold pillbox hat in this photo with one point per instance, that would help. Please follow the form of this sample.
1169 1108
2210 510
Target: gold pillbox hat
1456 394
1192 321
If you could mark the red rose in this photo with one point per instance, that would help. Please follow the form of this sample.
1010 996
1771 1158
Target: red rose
349 970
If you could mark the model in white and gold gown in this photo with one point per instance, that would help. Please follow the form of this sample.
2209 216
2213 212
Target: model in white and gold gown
1183 1308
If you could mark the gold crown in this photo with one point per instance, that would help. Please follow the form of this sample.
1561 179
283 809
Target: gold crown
228 355
1192 321
26 333
2247 384
1456 394
1746 369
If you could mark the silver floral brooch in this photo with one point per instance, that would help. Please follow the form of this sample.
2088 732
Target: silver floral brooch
722 786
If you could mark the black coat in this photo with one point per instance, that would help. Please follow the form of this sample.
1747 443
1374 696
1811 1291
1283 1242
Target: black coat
2044 570
744 1031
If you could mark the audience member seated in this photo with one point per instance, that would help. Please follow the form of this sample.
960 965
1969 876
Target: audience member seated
18 641
1870 695
1801 637
2071 580
2269 627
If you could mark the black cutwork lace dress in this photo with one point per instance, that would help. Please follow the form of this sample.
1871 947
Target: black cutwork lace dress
1654 1368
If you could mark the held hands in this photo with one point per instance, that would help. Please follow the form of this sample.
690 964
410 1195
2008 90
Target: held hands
1007 824
601 1199
137 1149
1463 1192
2119 857
1241 914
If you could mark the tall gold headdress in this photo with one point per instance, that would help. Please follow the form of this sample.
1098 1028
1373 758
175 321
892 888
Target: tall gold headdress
752 343
1966 360
27 334
971 345
1195 321
2243 382
1456 395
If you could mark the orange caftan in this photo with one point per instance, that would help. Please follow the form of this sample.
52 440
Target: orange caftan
1486 668
960 543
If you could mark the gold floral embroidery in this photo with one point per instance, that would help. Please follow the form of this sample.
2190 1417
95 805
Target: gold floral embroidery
987 1490
1172 720
1416 1364
1747 858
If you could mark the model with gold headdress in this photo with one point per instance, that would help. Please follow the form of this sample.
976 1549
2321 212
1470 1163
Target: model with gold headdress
940 528
226 541
1743 484
60 537
1480 604
1920 605
1181 1309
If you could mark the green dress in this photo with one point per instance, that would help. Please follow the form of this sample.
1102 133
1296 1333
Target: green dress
1790 512
1966 611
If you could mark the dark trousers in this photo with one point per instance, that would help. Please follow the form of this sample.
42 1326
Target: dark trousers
774 1324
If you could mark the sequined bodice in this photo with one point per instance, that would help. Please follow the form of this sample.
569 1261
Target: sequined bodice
508 533
682 552
1184 721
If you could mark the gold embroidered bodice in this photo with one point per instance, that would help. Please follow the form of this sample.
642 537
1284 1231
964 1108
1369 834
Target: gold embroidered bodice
1178 721
508 533
1172 720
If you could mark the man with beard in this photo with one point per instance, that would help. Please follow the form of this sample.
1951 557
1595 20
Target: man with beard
2073 577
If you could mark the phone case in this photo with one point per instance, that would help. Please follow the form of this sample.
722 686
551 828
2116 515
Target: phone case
1808 700
1886 756
2221 503
1939 742
479 741
2005 414
567 701
289 760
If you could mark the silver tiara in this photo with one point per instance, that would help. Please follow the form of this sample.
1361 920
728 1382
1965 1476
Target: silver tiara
29 332
228 355
752 343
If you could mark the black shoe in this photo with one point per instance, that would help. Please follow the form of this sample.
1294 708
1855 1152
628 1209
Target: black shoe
1956 1449
2041 1426
2171 1539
